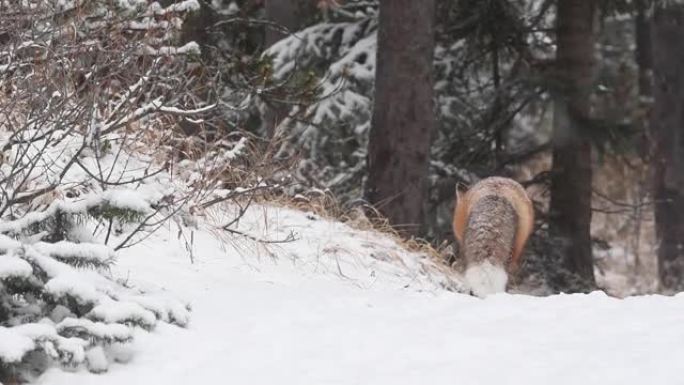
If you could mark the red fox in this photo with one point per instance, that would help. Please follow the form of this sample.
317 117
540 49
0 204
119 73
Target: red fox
492 222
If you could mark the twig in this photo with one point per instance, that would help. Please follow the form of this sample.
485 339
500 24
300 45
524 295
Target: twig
291 237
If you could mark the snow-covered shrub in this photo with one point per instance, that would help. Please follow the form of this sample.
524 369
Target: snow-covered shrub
91 92
334 61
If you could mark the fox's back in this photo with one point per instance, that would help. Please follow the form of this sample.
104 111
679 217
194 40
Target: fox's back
490 231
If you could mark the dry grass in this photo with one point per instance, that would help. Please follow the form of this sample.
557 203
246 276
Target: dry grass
256 167
325 205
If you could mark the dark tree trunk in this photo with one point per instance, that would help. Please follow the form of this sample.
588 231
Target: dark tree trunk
644 53
644 60
403 116
284 15
668 135
570 207
196 27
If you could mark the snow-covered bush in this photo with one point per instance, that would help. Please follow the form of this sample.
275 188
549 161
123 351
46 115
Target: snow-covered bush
91 94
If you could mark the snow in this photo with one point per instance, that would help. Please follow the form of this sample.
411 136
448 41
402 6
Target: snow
7 243
165 309
190 48
366 48
97 360
124 199
179 111
236 150
19 340
183 6
122 312
127 199
69 284
97 329
11 266
86 252
14 344
342 306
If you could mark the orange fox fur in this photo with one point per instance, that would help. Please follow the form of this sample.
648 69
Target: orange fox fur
510 191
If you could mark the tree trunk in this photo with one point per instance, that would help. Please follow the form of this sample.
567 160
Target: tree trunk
570 206
287 16
644 60
668 135
403 116
644 53
282 13
196 27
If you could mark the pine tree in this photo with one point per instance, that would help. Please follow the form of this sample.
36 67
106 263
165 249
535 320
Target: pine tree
571 174
668 135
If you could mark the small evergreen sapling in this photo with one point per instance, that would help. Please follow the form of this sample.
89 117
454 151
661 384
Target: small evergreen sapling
75 183
57 298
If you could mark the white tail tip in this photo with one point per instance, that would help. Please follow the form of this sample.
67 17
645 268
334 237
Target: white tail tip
485 279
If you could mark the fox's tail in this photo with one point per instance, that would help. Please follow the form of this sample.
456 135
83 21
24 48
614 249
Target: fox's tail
492 222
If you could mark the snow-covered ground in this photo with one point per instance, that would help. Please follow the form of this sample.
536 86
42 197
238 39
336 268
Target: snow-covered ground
340 306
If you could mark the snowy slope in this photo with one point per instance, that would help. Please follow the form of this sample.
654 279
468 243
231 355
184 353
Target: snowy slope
322 310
